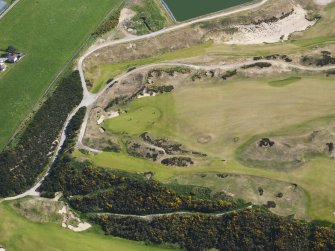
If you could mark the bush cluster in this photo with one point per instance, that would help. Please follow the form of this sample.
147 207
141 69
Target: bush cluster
250 229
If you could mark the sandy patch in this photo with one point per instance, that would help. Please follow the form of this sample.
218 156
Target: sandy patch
323 2
146 94
125 17
72 222
272 32
109 116
113 115
101 119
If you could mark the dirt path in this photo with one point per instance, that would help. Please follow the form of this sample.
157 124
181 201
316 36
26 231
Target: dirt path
150 217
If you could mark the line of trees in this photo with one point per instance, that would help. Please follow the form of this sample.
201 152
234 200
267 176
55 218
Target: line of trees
21 165
252 229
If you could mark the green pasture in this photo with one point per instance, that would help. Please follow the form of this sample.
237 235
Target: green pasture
20 234
49 33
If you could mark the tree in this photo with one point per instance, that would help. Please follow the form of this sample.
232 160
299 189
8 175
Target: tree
11 49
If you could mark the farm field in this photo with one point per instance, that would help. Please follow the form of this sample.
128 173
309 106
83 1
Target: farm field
298 106
48 33
198 8
18 233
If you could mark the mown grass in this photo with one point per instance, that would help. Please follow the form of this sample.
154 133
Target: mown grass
49 33
133 122
18 233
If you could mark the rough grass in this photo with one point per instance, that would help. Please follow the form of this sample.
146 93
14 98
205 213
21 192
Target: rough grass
108 71
18 233
49 32
246 187
153 15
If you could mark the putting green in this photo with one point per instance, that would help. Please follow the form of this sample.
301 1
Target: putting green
134 122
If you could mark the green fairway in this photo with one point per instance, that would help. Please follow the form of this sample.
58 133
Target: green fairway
20 234
49 33
187 9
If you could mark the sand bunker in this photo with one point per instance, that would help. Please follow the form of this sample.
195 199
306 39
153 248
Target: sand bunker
272 32
204 139
72 222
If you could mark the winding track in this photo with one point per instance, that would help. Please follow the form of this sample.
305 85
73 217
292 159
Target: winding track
89 98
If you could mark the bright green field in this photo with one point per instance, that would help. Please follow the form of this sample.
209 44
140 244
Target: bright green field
20 234
49 32
243 109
